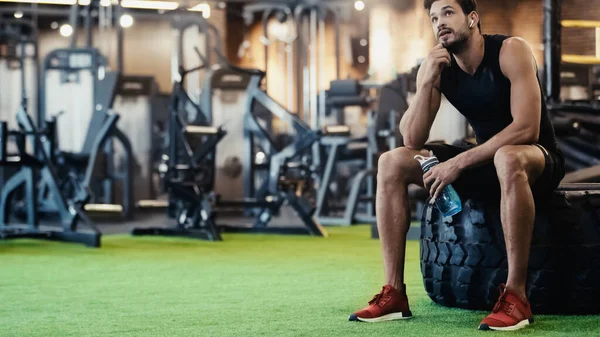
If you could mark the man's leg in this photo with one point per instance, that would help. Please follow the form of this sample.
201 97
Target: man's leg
396 170
518 167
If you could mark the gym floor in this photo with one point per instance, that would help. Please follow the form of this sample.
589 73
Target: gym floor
246 285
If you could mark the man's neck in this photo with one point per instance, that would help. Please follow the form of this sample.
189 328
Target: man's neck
470 58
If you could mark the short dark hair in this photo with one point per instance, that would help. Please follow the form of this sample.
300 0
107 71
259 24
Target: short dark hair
467 6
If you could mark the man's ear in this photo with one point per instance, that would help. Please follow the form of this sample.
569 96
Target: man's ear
473 19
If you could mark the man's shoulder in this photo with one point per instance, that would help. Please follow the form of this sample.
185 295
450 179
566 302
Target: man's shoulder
515 47
515 56
514 42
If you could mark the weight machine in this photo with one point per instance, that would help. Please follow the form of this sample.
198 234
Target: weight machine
13 34
86 65
304 46
288 175
37 175
337 205
189 172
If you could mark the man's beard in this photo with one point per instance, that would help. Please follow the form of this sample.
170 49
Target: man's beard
459 45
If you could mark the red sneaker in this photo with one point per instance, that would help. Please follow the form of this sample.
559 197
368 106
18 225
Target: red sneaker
510 313
388 305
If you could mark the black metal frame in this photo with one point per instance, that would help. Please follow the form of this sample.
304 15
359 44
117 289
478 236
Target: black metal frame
34 173
195 205
20 32
102 131
382 136
336 145
266 200
190 200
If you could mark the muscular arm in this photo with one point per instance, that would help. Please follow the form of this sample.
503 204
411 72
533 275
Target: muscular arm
418 118
518 65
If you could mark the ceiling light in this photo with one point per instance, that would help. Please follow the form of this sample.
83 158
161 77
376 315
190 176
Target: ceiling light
140 4
44 2
204 8
359 5
18 14
58 2
66 30
126 21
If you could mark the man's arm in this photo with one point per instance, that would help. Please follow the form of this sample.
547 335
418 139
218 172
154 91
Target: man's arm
418 118
518 65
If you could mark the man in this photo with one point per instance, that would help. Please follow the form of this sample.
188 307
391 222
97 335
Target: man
492 81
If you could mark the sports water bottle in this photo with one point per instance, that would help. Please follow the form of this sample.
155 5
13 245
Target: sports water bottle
448 202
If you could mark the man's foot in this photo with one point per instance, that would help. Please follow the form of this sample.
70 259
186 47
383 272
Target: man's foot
510 313
388 305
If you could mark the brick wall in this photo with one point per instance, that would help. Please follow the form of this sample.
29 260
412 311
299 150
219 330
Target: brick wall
580 41
527 22
496 16
218 18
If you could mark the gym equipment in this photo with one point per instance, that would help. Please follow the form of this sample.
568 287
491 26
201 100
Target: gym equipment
576 121
71 70
207 34
146 111
287 173
382 135
305 50
14 34
16 37
194 36
228 91
580 81
552 47
463 258
279 32
354 154
37 176
189 175
189 185
578 133
70 212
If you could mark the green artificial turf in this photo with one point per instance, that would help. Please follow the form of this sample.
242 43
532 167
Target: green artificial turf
247 285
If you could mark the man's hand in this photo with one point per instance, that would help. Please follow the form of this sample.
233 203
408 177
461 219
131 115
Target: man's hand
438 58
440 176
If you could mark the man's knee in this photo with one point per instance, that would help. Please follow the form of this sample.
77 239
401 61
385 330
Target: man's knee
395 166
510 164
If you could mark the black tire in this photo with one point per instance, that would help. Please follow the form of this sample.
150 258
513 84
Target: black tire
463 259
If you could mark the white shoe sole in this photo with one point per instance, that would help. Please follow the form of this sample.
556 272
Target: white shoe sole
517 326
388 317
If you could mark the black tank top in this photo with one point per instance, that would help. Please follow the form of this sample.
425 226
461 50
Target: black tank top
484 98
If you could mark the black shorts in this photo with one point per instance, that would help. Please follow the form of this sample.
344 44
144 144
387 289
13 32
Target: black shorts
482 182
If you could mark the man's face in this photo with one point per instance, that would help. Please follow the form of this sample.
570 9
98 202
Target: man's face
449 23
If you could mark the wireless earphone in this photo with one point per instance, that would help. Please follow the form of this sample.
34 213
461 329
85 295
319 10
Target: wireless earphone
472 22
